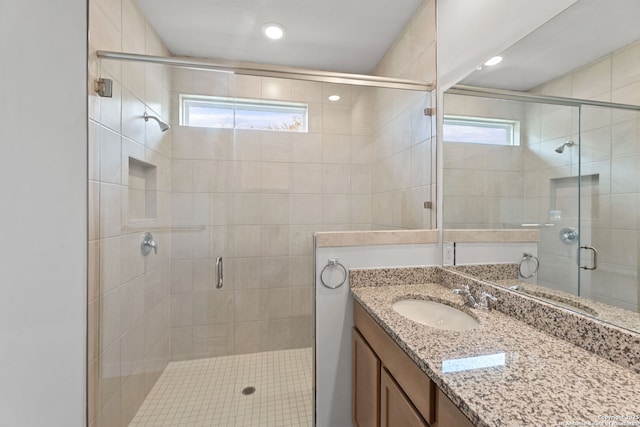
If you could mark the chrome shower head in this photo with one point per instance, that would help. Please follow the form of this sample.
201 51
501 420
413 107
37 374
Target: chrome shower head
163 125
561 148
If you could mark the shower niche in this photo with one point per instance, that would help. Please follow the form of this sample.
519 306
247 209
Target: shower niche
566 194
142 191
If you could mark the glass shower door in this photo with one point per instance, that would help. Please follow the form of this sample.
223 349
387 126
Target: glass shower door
609 205
551 187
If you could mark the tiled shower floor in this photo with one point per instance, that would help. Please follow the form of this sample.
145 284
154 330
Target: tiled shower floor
208 392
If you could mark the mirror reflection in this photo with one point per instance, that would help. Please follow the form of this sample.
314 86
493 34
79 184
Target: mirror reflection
548 178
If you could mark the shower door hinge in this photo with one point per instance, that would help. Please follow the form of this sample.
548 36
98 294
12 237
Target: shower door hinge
429 112
104 87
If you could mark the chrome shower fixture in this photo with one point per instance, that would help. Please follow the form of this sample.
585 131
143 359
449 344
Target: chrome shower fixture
163 125
569 143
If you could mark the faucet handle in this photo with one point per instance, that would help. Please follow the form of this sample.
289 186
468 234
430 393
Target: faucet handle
462 290
487 301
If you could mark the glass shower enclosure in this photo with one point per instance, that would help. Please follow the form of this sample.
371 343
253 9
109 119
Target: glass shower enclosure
208 318
573 178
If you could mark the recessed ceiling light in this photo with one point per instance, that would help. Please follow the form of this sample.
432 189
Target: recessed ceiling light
273 30
334 98
493 61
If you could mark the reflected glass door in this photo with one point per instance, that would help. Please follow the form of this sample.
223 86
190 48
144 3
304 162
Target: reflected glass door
609 206
550 190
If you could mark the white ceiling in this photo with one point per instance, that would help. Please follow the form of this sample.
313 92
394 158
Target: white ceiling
333 35
584 32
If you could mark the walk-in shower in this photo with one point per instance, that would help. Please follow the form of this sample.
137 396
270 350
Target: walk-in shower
213 186
580 211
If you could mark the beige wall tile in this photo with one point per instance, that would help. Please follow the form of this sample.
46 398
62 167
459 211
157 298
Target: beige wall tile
276 146
213 144
110 374
181 310
304 91
247 337
274 88
247 305
133 124
133 26
626 66
211 83
182 343
275 240
306 209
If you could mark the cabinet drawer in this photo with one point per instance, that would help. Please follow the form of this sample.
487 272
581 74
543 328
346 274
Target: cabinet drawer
415 383
395 408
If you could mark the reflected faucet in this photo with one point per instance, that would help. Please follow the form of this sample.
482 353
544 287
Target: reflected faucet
485 301
466 294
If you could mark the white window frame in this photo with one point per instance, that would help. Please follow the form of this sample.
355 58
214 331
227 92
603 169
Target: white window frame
258 105
512 127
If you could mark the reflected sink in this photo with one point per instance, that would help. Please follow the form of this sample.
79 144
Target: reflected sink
435 314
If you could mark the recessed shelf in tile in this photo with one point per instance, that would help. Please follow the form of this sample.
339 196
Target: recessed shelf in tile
142 190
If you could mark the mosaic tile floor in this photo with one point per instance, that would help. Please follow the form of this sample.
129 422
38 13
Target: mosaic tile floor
208 392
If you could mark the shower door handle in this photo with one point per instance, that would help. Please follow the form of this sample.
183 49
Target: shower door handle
219 273
595 258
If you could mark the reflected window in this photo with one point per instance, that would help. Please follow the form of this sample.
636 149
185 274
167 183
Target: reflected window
479 130
237 113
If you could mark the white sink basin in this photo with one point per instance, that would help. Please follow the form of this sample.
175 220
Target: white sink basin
435 314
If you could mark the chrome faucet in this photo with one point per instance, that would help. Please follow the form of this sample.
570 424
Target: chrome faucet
485 301
466 294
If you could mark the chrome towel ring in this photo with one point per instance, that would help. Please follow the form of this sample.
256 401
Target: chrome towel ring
333 264
527 257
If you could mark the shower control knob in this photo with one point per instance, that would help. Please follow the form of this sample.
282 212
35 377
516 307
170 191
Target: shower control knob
147 244
569 236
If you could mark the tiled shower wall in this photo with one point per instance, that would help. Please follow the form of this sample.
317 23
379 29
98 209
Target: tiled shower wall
403 178
611 152
255 198
547 180
484 183
128 293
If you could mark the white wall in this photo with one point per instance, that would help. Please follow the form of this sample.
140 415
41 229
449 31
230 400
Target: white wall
334 320
471 31
43 222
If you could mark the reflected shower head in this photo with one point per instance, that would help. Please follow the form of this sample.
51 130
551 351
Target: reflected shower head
163 125
561 148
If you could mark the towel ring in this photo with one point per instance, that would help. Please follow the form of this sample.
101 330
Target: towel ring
526 257
333 262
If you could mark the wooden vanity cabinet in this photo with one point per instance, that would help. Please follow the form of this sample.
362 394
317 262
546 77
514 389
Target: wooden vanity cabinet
365 398
448 414
395 408
389 389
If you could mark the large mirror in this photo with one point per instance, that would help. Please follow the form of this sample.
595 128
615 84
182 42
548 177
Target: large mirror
554 173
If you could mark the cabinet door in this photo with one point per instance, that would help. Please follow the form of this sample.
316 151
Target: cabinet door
365 383
448 415
395 408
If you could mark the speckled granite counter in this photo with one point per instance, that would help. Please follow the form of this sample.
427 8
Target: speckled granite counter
507 275
543 380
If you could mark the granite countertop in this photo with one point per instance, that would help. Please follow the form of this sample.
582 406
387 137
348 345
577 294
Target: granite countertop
599 310
538 380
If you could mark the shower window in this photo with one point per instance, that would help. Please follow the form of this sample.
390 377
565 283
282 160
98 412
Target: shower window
236 113
479 130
